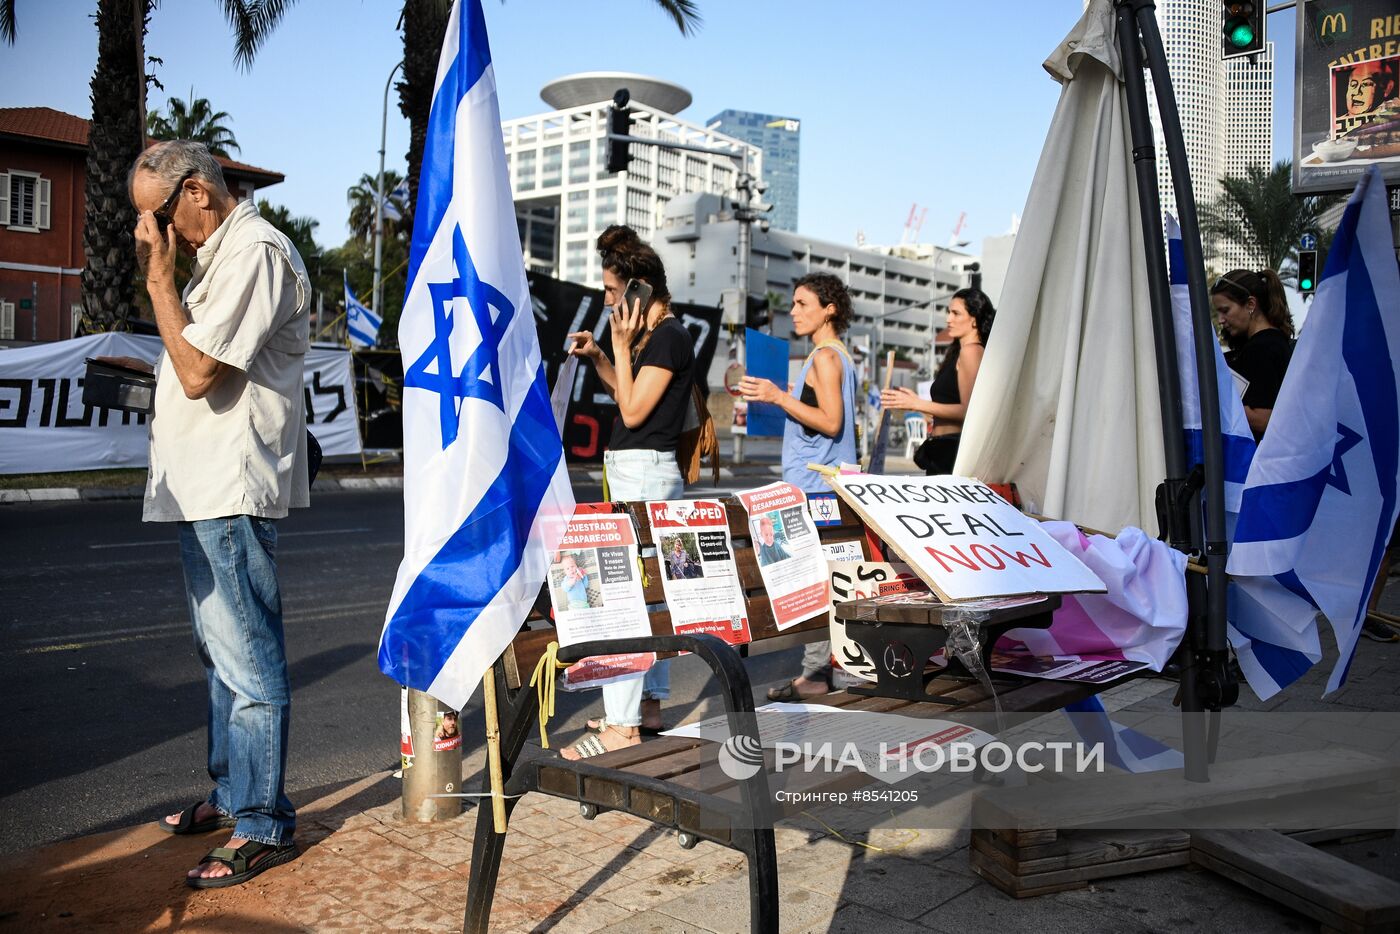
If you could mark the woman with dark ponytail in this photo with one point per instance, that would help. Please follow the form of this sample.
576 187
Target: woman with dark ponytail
650 375
970 315
1258 327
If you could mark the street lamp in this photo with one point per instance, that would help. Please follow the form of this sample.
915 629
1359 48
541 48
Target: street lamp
378 293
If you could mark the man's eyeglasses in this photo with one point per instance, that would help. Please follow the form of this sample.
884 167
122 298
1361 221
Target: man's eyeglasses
162 214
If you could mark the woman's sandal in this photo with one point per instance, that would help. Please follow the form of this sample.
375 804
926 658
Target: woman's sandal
246 861
188 825
601 724
790 694
592 744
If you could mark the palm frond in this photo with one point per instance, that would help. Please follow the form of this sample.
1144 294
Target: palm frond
686 14
252 22
7 21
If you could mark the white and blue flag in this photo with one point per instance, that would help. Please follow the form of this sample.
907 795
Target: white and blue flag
486 488
361 323
1272 629
1322 493
393 202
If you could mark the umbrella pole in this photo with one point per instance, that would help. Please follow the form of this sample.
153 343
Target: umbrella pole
1179 501
1219 688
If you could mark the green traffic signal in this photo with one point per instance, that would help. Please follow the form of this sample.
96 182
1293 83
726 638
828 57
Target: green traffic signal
1240 33
1305 284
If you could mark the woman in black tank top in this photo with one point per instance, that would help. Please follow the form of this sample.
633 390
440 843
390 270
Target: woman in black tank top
970 315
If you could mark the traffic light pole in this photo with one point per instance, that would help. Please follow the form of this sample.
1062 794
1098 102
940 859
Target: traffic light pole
744 212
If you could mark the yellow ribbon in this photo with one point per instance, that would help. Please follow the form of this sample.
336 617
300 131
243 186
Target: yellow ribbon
543 681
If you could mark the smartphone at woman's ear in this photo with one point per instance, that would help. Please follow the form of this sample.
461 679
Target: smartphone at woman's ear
636 294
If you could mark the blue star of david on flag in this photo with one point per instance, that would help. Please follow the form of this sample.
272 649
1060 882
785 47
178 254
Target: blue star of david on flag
1323 491
480 377
486 489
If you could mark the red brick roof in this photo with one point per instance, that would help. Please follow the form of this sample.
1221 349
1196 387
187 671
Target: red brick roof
44 124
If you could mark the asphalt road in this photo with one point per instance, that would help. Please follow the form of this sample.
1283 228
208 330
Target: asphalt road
105 697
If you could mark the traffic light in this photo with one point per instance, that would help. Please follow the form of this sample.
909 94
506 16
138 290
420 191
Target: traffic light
1307 272
974 275
1242 25
619 124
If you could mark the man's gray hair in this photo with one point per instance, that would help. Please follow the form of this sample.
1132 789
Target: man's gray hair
172 160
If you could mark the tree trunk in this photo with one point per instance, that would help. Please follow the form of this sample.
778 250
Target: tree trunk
424 23
115 141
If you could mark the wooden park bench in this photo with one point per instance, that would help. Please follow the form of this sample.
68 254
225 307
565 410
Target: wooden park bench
676 782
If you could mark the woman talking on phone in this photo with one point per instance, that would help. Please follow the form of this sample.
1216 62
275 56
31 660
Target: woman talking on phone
650 375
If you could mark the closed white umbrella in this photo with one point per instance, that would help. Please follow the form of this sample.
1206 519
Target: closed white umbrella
1067 403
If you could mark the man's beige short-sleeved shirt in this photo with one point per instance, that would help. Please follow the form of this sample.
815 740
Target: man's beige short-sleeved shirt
241 450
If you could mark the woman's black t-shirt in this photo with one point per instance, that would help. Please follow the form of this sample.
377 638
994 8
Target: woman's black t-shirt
669 348
1263 360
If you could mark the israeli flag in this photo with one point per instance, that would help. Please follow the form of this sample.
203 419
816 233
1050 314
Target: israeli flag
1273 630
395 198
486 489
1322 493
361 323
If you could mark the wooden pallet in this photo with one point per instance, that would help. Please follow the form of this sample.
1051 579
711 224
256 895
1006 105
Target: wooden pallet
1341 896
1041 862
1018 844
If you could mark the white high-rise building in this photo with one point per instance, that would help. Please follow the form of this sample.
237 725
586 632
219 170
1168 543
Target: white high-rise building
1249 132
564 194
1226 108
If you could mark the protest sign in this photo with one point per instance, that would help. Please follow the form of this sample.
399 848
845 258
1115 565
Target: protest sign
698 573
45 426
1064 668
962 539
595 588
859 581
789 553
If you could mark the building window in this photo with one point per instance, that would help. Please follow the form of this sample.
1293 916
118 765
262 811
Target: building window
578 212
77 319
525 171
553 166
24 200
605 207
7 321
578 163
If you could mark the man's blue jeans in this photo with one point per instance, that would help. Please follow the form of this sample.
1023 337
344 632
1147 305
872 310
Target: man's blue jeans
236 608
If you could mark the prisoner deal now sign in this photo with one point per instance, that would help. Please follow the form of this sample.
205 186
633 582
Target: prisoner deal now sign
962 539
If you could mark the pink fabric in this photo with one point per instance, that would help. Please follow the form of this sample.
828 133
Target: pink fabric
1142 618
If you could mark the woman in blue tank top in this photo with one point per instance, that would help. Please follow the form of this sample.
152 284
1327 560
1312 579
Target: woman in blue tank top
820 426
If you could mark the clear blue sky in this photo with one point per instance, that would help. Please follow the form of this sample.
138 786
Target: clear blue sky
901 101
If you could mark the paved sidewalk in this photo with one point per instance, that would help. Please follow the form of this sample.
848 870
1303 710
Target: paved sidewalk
364 869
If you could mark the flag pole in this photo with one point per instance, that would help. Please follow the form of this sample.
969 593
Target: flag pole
493 751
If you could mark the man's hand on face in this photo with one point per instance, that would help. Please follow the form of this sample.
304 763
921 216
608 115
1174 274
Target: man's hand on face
155 251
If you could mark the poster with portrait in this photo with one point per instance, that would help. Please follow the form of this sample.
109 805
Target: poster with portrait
698 573
1346 94
789 553
595 588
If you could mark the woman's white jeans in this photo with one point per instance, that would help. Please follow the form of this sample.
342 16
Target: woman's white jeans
640 476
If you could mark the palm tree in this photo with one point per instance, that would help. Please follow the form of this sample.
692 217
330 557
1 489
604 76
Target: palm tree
362 197
424 22
196 120
117 137
1258 212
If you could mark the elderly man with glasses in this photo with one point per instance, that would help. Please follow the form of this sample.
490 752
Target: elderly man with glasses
228 458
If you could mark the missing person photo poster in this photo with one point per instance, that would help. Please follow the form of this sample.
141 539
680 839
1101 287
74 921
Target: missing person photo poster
595 588
1346 94
789 553
698 574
